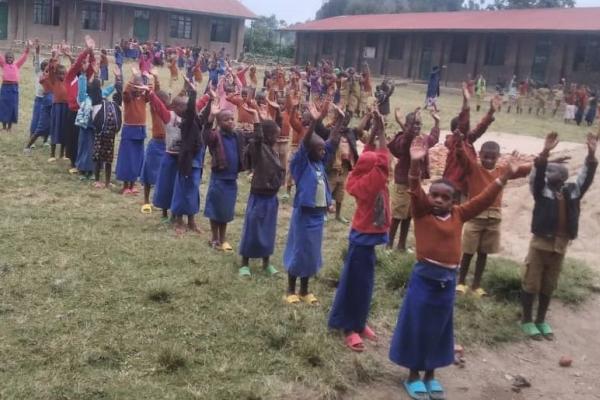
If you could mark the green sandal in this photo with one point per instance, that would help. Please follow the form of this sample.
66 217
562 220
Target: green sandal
531 331
271 270
545 330
244 272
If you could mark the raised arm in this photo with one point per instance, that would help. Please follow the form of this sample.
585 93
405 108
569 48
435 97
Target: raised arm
485 122
21 60
434 135
159 107
419 201
538 178
485 199
586 176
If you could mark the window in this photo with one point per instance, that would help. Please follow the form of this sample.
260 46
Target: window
180 26
587 55
327 47
371 42
93 17
495 49
396 49
141 14
579 58
46 12
459 49
220 31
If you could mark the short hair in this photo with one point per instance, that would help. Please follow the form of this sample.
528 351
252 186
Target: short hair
444 181
491 146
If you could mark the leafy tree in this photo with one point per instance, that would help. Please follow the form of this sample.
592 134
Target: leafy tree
264 38
503 4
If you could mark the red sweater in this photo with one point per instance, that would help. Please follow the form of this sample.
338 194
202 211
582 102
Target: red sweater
440 240
366 182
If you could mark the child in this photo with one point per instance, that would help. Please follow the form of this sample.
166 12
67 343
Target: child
481 235
480 90
433 89
40 118
174 71
108 118
260 223
103 66
226 146
555 222
383 94
9 92
155 150
131 148
53 81
367 183
119 59
302 257
423 339
400 148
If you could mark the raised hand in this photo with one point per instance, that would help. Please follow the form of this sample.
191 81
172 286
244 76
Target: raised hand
116 71
90 43
312 109
495 104
465 90
592 143
436 117
418 149
550 142
215 108
189 85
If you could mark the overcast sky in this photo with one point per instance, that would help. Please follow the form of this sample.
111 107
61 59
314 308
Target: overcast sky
302 10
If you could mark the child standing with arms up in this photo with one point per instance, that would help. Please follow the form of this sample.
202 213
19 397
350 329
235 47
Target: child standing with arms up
9 92
424 336
368 184
40 118
226 146
555 222
302 257
260 223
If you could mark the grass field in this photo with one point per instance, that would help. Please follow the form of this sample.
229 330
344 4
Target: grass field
98 301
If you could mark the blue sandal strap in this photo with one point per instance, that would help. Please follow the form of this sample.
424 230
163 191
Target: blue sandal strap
416 389
434 386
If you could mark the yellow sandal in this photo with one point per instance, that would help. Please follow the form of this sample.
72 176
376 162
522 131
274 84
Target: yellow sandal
291 299
146 209
226 247
310 299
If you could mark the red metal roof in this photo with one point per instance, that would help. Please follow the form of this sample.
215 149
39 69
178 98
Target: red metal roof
548 19
231 8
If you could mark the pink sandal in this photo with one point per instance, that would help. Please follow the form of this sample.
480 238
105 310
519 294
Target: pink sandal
354 342
368 333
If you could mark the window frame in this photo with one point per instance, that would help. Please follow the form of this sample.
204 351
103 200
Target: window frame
183 25
215 34
99 13
396 52
46 12
459 54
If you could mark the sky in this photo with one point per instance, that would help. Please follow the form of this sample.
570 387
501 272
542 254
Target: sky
301 10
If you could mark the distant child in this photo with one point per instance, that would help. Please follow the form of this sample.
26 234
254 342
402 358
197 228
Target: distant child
103 66
555 223
481 235
590 114
155 149
53 81
303 254
399 147
131 149
368 184
423 339
260 223
383 93
108 119
42 105
480 90
226 147
9 92
433 88
173 70
119 58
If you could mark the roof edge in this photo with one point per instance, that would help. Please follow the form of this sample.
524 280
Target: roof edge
251 15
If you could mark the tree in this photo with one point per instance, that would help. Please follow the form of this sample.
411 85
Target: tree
505 4
264 38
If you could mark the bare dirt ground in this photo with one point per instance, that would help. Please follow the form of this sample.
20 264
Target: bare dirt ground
488 373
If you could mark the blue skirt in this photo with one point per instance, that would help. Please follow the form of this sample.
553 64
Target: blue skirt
43 119
131 153
85 150
35 116
424 336
186 194
353 296
58 122
9 103
104 72
220 200
260 226
302 256
155 151
165 183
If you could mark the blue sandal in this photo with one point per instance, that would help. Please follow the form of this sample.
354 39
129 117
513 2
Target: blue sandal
416 390
435 390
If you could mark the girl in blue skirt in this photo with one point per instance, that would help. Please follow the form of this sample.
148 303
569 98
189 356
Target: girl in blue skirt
260 223
9 91
367 183
424 336
302 257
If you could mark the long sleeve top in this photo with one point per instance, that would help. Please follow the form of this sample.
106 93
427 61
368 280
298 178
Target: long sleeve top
135 106
40 91
12 72
51 83
263 160
305 173
71 79
400 148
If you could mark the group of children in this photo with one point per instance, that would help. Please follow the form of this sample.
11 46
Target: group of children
304 115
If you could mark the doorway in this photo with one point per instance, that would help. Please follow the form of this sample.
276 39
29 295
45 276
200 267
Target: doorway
541 57
141 25
426 57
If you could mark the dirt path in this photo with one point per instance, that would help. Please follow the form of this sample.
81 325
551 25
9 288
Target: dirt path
488 371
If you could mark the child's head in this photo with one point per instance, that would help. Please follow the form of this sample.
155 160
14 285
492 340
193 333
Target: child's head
179 105
441 196
61 73
44 65
489 154
556 175
103 52
226 120
413 123
316 148
244 94
229 89
271 132
260 98
9 57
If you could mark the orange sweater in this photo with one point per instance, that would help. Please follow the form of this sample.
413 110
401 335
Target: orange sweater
439 239
135 107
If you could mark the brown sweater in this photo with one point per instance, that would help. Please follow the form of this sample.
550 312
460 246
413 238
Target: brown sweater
135 107
439 239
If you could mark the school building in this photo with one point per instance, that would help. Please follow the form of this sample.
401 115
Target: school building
211 24
544 44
